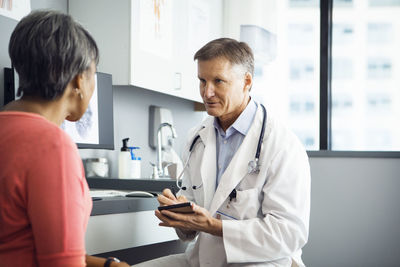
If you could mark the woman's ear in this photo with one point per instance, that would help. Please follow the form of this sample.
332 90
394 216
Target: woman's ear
78 81
76 85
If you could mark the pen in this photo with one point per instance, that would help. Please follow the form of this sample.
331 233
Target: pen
226 215
173 191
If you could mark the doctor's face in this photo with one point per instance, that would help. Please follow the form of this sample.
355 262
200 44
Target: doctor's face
224 88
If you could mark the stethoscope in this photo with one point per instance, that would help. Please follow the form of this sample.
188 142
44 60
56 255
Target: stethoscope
252 167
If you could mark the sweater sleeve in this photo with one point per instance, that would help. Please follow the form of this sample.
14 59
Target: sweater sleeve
57 205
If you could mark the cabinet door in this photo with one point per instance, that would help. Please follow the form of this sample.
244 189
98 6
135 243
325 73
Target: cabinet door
203 22
149 43
152 42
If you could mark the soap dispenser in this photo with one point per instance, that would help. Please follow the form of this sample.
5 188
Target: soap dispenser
124 160
135 171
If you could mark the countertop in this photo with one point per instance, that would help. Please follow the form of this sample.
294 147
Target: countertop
120 204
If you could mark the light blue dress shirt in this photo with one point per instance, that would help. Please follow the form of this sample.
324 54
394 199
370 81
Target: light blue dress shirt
229 142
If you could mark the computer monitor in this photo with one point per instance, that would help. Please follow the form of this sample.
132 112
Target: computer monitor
96 127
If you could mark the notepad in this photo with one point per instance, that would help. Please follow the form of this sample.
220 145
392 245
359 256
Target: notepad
107 193
117 193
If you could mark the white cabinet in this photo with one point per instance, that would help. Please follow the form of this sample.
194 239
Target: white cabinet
118 231
151 43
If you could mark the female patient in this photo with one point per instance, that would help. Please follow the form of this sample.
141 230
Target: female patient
44 197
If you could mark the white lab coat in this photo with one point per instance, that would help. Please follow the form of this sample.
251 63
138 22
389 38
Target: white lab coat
272 208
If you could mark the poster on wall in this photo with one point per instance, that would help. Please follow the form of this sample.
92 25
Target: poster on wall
156 27
15 9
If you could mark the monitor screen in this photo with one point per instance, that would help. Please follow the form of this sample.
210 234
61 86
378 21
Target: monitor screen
96 127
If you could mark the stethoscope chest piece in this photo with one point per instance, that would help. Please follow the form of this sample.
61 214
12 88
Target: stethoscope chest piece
253 166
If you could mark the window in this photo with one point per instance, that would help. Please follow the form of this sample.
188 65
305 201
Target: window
304 3
366 76
287 66
334 80
384 3
343 33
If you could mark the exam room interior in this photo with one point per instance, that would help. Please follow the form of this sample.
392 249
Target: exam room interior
355 216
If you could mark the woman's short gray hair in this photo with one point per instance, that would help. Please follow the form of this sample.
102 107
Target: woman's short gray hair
48 49
235 52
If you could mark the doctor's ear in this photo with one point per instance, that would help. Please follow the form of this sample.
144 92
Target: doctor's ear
248 81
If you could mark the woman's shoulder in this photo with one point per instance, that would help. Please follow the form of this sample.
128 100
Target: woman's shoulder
33 128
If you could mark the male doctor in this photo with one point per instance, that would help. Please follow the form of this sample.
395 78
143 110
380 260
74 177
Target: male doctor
243 216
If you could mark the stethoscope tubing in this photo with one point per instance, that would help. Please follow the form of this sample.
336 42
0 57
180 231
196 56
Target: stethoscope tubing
186 164
257 156
260 140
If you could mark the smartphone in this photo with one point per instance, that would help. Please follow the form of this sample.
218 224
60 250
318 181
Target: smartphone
180 208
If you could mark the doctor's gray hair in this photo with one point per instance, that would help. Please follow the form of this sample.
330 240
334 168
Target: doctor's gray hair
48 49
235 52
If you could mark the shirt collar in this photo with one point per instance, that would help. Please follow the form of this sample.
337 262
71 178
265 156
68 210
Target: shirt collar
242 123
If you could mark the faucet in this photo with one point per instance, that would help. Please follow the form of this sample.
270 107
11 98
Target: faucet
159 146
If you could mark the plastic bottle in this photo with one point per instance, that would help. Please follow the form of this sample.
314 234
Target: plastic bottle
124 160
135 171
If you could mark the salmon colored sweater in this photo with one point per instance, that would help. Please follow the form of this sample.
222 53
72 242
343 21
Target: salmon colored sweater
44 197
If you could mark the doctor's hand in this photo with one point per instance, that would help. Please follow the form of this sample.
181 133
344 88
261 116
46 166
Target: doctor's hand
168 198
199 220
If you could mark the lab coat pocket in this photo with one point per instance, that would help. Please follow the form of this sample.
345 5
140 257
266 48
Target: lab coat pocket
244 206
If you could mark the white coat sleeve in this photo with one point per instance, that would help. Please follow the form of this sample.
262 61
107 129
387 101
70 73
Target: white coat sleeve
283 228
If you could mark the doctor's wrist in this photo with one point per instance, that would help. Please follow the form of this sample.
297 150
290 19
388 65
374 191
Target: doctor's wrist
215 227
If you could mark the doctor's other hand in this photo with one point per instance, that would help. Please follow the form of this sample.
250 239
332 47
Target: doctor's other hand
168 198
199 220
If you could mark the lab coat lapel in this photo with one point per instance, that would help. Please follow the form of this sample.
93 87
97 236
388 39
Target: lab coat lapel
237 168
208 169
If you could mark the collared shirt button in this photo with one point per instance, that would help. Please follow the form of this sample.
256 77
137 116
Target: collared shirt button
225 141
